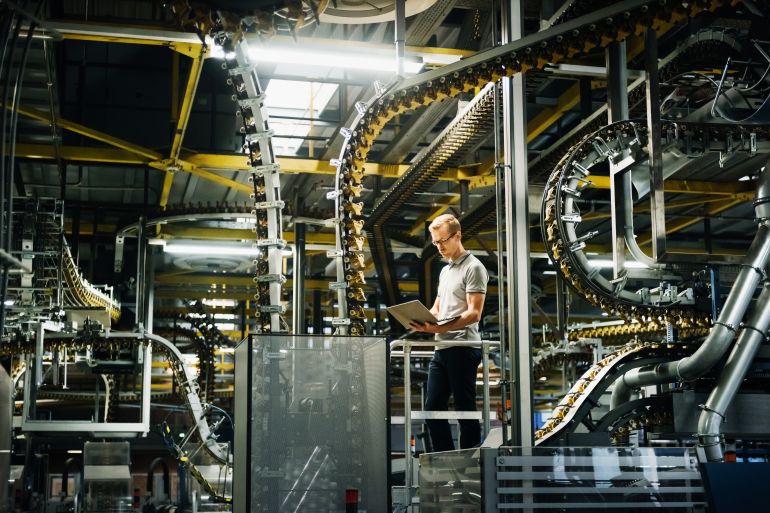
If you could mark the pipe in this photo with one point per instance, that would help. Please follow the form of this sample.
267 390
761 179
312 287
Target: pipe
151 477
753 334
722 333
628 226
633 379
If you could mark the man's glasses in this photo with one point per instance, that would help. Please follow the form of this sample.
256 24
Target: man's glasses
442 241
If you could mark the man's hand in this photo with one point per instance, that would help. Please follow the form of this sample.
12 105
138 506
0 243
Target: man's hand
426 327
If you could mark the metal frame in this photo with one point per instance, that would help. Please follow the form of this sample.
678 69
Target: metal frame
406 353
98 428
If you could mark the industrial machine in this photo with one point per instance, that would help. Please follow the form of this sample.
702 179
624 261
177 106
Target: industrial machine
653 400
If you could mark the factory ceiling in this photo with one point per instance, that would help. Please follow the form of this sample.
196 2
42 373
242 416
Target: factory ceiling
127 115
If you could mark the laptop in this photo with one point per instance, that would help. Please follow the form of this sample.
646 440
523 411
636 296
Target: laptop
414 311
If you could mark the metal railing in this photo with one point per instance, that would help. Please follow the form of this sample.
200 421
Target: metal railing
407 353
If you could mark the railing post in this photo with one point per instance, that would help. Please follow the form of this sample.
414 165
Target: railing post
485 374
407 424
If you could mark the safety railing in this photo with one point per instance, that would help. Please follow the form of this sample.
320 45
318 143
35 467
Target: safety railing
406 352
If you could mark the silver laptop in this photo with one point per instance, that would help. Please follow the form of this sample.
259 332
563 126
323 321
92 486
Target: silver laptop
414 311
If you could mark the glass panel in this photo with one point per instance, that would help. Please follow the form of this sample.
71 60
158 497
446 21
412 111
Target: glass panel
319 423
564 479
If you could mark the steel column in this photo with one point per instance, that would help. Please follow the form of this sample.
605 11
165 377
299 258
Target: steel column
298 310
400 35
657 202
517 237
620 183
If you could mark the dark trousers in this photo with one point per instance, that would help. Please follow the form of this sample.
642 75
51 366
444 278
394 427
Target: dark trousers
453 371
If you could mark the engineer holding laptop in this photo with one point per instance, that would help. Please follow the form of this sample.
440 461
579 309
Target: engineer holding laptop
461 292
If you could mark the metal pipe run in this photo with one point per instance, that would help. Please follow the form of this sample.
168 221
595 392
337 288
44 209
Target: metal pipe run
723 332
753 334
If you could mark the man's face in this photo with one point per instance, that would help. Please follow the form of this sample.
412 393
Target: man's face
445 240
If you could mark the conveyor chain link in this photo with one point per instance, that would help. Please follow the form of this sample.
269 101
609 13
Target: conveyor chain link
18 346
266 206
581 36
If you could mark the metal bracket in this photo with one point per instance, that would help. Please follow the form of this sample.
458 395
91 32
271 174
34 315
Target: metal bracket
338 321
279 243
270 278
361 108
242 70
251 103
333 253
271 309
331 195
571 218
262 205
260 136
337 285
266 168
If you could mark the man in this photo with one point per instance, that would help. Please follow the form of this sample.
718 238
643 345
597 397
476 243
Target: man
461 291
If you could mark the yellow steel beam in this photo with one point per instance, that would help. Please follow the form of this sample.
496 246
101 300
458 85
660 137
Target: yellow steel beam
90 133
196 69
688 186
202 164
153 158
549 116
182 42
482 178
712 210
183 118
182 165
80 154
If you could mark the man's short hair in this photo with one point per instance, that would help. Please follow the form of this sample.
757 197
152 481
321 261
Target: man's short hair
449 220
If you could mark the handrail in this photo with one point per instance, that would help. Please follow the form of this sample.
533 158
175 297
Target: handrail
407 345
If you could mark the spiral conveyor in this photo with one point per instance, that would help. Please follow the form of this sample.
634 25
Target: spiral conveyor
649 311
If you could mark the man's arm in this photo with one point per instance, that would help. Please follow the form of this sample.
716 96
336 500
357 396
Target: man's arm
436 308
472 314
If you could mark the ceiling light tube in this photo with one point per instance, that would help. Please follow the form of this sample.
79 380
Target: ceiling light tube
369 61
209 249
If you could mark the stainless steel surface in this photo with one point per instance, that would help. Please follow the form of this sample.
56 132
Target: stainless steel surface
519 317
450 481
271 177
748 414
599 478
30 423
407 346
308 440
6 423
754 332
724 329
107 478
654 152
620 179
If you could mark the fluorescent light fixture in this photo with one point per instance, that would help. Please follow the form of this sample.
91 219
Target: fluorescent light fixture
156 242
744 178
9 302
225 303
209 249
549 272
605 263
350 59
74 451
346 60
217 316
